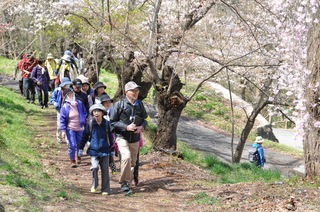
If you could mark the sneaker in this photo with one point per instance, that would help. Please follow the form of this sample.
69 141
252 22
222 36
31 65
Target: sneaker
124 186
78 160
113 168
105 193
93 189
60 141
73 164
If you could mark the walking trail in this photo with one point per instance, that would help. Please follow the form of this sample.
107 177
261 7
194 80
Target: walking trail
166 183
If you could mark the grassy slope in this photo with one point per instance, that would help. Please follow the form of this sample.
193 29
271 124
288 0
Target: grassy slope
21 170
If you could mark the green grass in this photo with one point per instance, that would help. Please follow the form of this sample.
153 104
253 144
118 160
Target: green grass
226 173
7 66
20 159
110 80
20 155
204 199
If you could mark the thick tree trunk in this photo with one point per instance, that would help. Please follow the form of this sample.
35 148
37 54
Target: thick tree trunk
311 141
169 112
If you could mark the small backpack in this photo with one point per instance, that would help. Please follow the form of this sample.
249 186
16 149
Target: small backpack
253 155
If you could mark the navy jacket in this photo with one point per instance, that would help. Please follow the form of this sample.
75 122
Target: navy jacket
99 145
38 76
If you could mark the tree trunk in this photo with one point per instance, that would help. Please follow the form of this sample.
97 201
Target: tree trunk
169 112
311 142
262 102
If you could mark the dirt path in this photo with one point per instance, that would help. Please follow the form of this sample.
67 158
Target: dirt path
166 183
210 141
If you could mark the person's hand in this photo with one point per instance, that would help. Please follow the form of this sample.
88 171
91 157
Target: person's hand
38 83
131 127
80 152
63 135
55 104
139 129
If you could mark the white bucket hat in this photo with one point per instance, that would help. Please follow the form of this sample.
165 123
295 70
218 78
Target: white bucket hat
259 140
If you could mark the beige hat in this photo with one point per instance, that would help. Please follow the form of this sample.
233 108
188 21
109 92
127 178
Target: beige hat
50 56
259 140
83 79
130 86
97 107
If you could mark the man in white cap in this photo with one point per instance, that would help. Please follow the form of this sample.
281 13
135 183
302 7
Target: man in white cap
128 120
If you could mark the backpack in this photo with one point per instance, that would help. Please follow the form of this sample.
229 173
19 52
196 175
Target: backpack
253 155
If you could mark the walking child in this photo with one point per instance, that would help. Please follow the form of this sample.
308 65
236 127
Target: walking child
98 133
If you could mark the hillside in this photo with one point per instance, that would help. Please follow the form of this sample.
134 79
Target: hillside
167 183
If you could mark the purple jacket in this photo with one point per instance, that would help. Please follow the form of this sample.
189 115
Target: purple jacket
38 76
64 115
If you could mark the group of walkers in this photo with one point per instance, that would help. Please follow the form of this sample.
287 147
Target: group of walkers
87 115
42 75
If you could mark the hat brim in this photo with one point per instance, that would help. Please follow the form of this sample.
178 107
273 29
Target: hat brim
101 86
138 86
65 83
105 112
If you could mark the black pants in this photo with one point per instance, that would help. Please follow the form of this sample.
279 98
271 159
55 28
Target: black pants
29 89
21 87
43 101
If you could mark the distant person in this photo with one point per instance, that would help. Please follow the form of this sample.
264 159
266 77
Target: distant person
256 152
80 95
128 120
98 91
72 121
86 87
18 75
67 68
26 66
57 99
81 62
51 65
98 133
41 79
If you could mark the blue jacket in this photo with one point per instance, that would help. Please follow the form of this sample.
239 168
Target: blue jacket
38 76
57 98
64 115
260 153
100 134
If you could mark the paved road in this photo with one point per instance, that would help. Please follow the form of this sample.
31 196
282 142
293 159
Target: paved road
213 142
288 137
